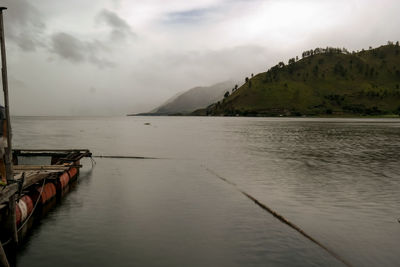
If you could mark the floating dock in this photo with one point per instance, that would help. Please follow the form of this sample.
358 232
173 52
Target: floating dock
44 176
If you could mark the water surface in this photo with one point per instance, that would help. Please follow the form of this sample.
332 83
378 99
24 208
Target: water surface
338 179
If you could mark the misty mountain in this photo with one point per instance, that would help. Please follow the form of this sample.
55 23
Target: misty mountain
195 98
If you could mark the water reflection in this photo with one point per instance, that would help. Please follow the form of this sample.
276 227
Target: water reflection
337 179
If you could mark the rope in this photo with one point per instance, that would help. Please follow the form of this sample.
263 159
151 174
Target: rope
6 243
30 215
93 161
282 219
34 207
123 157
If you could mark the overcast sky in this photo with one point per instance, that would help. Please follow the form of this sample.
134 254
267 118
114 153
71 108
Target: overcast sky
112 57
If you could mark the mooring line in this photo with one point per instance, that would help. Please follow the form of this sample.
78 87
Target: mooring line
281 218
30 215
34 207
93 161
220 177
122 157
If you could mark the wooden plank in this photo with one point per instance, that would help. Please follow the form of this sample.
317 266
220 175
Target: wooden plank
31 178
18 173
34 178
51 153
52 150
41 154
44 167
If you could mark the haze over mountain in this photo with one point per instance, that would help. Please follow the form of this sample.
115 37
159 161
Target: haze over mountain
112 57
193 99
326 81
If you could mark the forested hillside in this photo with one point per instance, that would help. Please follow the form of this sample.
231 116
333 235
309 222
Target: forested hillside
325 81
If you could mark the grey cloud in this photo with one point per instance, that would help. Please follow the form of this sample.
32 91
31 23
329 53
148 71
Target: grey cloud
120 29
74 50
24 24
114 20
68 47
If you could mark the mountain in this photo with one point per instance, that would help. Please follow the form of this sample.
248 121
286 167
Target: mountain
193 99
325 82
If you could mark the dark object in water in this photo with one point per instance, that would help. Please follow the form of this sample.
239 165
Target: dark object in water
147 123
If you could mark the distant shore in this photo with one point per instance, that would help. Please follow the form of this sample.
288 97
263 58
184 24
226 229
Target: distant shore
387 116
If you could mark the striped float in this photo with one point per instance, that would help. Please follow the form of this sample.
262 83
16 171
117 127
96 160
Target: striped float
64 179
24 208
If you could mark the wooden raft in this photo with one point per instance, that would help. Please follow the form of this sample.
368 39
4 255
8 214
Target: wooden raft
62 160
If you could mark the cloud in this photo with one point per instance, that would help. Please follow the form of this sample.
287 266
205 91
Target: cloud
192 16
74 50
26 27
161 47
120 29
24 24
68 47
94 51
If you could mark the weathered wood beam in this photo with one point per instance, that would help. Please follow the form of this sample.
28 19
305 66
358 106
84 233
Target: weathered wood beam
31 179
44 167
51 150
43 153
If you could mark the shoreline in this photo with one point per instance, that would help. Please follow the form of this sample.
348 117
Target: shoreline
391 116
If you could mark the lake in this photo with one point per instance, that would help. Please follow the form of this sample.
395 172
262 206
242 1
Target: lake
337 179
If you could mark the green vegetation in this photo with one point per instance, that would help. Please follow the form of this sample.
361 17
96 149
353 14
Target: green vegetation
325 82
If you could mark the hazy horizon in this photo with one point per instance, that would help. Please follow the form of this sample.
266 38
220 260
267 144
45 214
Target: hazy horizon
114 57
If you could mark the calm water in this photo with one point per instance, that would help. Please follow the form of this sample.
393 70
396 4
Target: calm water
338 179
